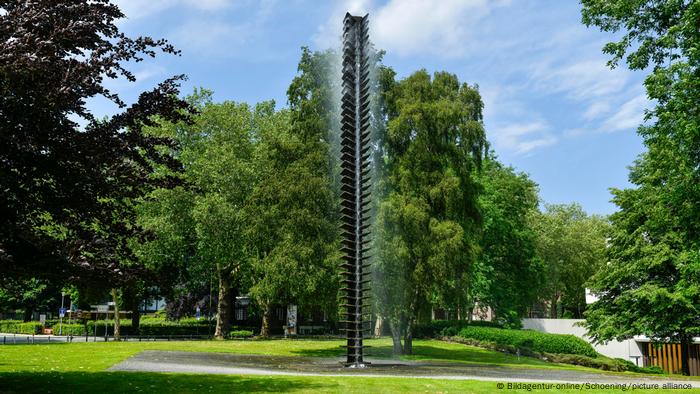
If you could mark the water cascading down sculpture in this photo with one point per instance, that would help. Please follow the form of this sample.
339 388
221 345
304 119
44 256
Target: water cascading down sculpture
355 181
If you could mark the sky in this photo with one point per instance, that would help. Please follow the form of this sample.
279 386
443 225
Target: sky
553 109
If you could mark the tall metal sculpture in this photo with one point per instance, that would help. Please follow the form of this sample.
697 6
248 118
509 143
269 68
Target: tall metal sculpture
355 180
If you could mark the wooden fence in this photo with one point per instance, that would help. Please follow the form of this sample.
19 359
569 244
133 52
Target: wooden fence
668 357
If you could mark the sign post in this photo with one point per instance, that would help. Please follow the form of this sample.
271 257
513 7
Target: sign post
292 319
61 313
102 309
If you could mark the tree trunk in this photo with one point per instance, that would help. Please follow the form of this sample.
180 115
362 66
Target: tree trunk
27 315
223 315
553 306
378 326
686 342
267 316
396 337
135 315
117 323
408 338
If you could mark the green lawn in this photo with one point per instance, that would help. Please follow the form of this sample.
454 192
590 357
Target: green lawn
80 367
72 357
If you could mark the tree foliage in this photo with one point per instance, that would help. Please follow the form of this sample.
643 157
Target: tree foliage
201 227
65 187
429 222
572 247
293 208
650 285
509 273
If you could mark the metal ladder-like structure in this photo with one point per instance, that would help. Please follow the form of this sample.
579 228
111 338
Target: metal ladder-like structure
355 182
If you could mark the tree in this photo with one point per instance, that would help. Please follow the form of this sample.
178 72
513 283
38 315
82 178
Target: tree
293 208
650 285
429 222
202 225
63 185
509 273
571 245
28 295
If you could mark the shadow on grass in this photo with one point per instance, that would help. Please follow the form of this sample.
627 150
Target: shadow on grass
124 382
429 352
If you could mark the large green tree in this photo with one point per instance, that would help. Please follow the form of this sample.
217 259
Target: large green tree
651 286
63 187
571 245
201 226
293 209
508 274
429 221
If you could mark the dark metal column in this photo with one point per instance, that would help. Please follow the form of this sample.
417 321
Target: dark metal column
355 189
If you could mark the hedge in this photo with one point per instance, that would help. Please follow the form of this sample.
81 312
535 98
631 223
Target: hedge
148 326
447 328
151 327
241 334
530 340
20 327
69 329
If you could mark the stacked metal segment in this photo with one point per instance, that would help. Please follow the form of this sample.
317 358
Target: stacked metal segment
355 181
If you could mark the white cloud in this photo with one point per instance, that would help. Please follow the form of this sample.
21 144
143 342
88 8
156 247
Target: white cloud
596 109
417 26
581 80
202 35
409 27
523 138
217 35
629 116
136 9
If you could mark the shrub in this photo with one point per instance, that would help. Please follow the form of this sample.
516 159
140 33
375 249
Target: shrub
603 363
652 369
241 334
447 328
151 326
124 327
532 340
635 368
69 329
20 327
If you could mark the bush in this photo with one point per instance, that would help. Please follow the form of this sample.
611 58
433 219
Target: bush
241 334
635 368
603 363
530 340
151 326
447 328
20 327
124 327
69 329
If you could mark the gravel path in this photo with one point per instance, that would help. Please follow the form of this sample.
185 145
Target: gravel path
224 363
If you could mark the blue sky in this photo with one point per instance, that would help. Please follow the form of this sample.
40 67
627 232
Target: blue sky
553 108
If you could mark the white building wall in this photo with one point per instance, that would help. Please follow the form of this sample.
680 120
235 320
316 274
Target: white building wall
628 349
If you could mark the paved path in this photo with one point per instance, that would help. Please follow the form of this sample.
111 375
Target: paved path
224 363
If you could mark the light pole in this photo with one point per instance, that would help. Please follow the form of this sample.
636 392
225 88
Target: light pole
60 315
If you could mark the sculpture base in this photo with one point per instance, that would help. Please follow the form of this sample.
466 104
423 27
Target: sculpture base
363 364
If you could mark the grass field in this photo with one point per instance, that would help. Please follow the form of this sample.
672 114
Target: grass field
80 367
